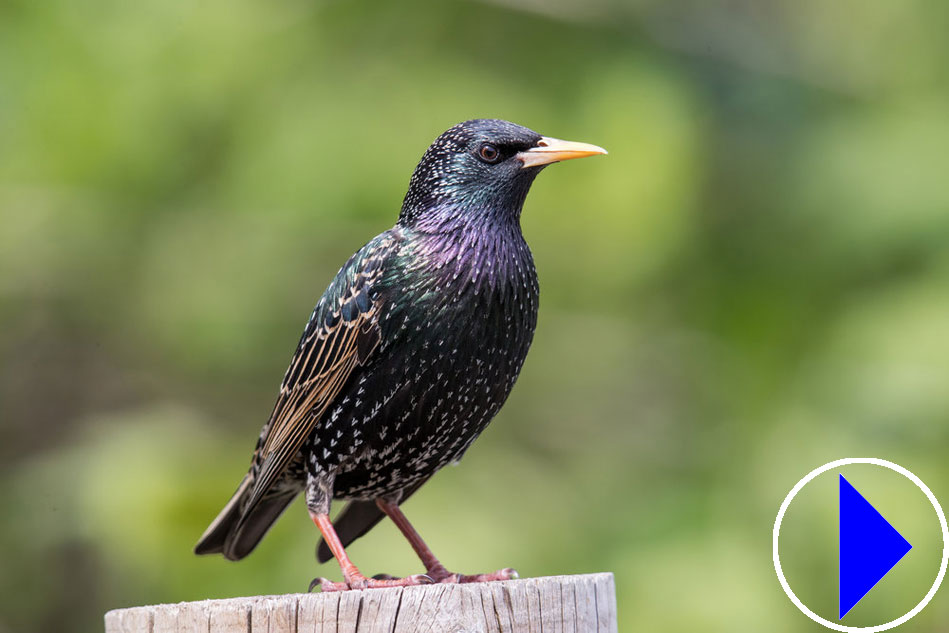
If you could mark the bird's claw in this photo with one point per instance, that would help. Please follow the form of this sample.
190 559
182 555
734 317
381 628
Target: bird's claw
316 582
445 576
380 581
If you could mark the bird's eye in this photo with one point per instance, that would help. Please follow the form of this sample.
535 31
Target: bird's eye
489 153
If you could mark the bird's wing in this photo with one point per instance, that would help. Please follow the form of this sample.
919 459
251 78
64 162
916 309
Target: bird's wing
342 333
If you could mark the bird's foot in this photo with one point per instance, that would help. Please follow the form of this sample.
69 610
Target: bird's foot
379 581
442 575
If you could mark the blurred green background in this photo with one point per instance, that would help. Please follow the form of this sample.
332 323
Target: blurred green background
753 283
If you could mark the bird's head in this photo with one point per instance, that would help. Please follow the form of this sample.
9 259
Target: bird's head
481 168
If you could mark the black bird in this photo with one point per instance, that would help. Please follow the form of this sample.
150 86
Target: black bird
410 352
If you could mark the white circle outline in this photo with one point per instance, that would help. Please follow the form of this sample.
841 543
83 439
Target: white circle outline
846 462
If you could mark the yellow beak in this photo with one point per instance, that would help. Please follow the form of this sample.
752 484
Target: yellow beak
551 150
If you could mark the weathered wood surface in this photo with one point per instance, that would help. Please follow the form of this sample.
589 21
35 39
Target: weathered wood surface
556 604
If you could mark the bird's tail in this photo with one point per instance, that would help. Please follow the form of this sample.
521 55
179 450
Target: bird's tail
235 533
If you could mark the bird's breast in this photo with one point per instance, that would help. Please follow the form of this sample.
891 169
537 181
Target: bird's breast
465 323
476 289
455 335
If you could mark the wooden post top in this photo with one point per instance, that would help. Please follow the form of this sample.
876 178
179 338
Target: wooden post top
581 604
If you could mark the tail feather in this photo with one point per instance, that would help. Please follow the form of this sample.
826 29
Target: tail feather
213 539
237 530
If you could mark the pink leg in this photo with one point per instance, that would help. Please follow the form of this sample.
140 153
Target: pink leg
434 567
352 577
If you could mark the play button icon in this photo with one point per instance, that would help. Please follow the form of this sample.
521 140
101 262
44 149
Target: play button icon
869 547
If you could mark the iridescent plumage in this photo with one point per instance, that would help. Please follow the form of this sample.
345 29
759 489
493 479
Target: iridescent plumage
410 352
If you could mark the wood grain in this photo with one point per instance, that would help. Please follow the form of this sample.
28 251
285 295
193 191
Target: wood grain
555 604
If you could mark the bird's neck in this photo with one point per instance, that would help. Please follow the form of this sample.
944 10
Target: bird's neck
452 221
443 205
483 250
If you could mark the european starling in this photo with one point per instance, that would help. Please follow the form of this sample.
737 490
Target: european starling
409 353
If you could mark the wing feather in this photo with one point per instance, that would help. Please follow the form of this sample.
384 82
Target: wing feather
343 333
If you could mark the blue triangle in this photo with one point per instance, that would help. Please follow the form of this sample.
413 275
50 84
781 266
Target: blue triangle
869 547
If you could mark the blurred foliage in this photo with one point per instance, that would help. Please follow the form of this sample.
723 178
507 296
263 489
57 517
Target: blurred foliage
753 283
